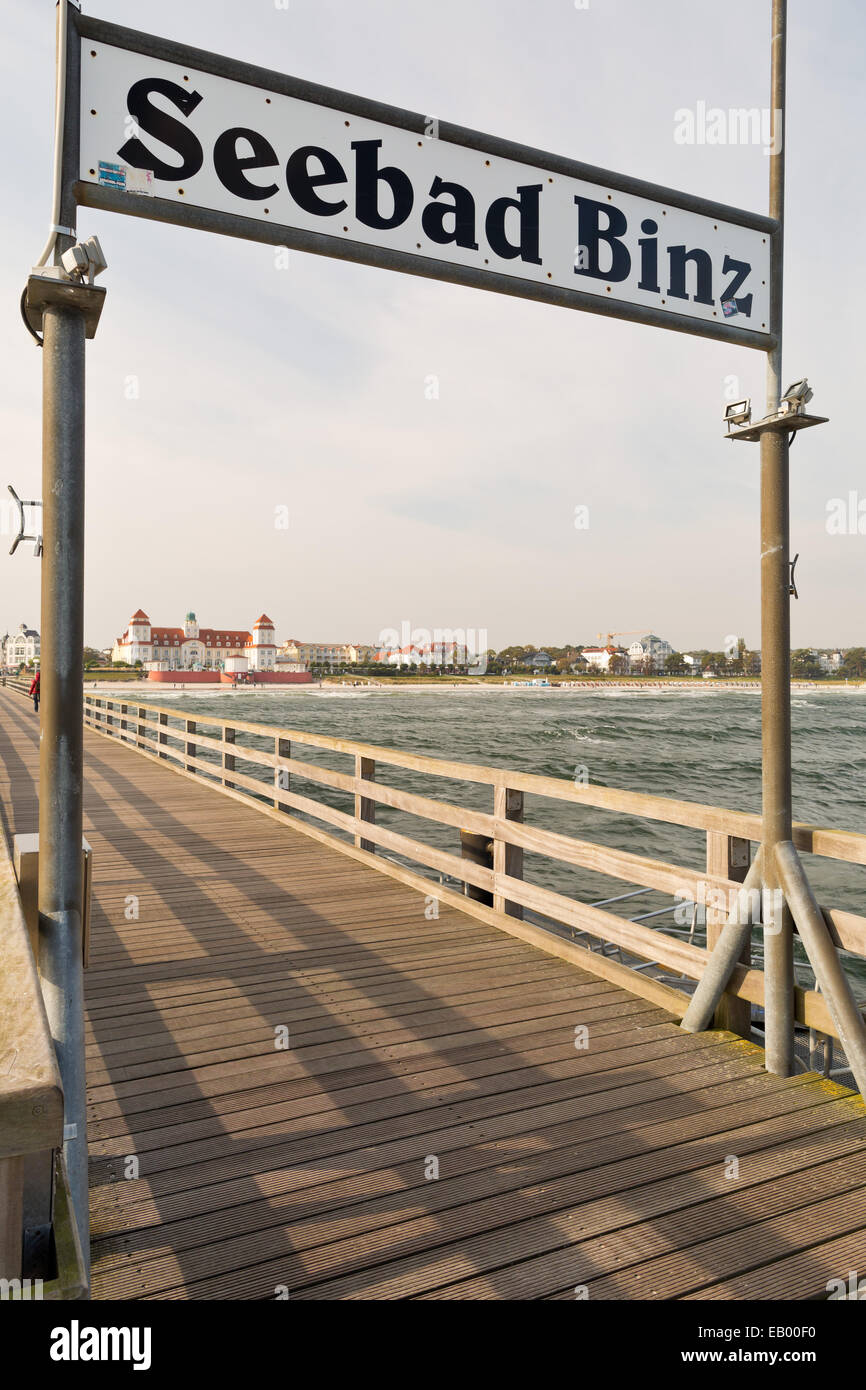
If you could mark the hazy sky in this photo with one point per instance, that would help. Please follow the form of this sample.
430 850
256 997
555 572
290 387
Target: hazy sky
260 387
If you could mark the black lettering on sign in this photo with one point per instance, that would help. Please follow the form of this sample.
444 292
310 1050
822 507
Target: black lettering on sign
743 270
590 234
368 176
527 205
230 165
679 258
382 196
162 127
302 183
649 257
461 209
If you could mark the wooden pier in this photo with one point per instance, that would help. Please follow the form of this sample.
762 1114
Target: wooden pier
305 1081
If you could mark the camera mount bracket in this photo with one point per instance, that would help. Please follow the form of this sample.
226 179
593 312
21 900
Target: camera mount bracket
775 424
47 291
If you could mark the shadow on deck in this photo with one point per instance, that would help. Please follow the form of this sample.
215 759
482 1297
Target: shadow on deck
430 1130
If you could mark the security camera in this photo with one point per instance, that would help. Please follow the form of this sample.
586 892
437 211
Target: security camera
98 263
75 261
84 259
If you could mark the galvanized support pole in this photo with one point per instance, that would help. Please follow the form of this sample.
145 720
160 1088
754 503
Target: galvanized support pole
65 323
776 622
61 751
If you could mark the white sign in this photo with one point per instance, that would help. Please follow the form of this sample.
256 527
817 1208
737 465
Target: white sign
154 129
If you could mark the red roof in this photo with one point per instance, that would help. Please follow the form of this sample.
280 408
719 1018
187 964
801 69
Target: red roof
225 635
140 616
210 636
263 621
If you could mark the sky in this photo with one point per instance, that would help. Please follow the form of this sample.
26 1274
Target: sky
224 385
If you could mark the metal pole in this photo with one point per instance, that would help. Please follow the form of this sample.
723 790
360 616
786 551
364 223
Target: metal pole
776 623
61 750
62 667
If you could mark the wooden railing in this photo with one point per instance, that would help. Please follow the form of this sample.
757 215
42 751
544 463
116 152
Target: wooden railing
216 750
31 1095
13 683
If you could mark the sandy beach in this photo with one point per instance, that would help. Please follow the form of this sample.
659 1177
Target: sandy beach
144 691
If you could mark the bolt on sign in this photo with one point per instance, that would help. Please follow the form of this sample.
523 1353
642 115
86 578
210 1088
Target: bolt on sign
191 138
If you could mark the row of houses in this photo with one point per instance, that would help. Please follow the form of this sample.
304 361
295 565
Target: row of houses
163 647
650 655
647 654
189 647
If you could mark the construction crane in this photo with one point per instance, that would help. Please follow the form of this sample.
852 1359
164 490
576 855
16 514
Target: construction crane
629 632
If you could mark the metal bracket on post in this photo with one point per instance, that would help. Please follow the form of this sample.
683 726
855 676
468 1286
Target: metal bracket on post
45 291
22 536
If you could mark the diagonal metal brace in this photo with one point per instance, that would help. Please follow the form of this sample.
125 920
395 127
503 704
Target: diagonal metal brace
824 959
724 957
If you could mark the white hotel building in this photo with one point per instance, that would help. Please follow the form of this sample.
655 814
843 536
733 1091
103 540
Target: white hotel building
22 647
194 648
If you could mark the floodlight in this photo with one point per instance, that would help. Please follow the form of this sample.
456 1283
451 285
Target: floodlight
738 413
799 393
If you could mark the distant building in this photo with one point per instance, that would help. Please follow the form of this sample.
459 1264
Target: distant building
317 653
538 661
191 648
649 652
22 647
601 657
830 661
424 654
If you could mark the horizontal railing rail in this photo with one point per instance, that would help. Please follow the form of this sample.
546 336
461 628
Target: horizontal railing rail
216 750
820 840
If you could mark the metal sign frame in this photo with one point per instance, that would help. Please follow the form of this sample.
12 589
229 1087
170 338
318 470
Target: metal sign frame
109 199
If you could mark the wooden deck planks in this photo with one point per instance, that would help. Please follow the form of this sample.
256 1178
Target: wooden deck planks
411 1040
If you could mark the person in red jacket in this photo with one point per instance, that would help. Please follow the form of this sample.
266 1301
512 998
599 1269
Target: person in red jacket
34 691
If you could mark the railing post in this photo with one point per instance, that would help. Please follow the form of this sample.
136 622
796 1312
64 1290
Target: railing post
190 747
142 727
365 809
11 1216
123 710
507 858
728 857
161 737
477 849
282 776
820 1052
228 758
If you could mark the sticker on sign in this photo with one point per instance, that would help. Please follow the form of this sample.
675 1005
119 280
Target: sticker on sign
277 160
125 179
